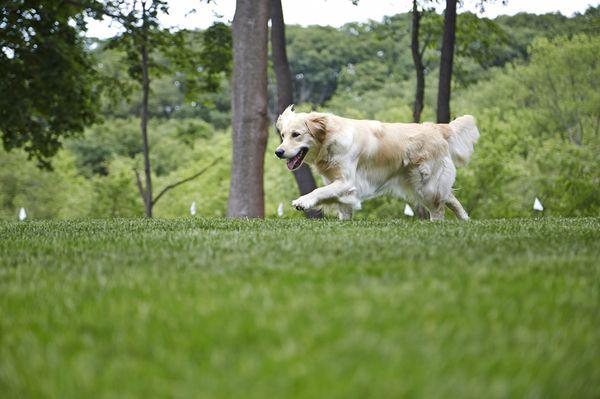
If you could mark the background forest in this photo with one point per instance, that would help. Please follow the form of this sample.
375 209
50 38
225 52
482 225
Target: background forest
532 81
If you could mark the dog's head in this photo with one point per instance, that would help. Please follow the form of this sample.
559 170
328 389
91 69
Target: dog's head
301 136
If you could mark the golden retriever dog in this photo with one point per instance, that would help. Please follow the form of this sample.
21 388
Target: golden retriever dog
362 159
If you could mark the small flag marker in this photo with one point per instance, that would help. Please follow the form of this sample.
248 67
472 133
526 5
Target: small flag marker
537 205
193 208
280 210
22 214
408 211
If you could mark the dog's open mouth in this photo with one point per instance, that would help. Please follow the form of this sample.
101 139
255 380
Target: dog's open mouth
295 162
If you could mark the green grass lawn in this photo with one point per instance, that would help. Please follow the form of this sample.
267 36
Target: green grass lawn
291 308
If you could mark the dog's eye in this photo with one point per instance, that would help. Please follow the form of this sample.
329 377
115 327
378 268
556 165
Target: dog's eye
295 134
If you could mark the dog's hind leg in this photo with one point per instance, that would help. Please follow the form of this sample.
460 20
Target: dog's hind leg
456 207
432 190
437 212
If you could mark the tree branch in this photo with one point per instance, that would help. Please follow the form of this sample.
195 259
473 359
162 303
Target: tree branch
180 182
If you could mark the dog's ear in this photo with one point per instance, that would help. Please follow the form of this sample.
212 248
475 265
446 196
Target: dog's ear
286 113
317 126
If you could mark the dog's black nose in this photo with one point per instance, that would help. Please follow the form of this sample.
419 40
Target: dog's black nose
279 153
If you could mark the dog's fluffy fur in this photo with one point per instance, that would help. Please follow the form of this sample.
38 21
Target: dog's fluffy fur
362 159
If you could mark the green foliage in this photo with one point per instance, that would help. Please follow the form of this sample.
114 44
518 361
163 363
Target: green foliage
523 28
322 68
391 103
538 119
565 88
46 76
192 68
61 193
480 44
359 56
216 54
367 76
316 63
100 144
568 176
199 68
185 87
539 125
273 309
362 57
115 195
141 29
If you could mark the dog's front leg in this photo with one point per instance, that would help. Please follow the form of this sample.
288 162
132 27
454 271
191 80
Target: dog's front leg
334 190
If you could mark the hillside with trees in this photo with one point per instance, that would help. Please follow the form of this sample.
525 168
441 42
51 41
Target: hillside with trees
532 81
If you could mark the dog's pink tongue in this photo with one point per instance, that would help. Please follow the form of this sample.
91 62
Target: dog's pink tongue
291 163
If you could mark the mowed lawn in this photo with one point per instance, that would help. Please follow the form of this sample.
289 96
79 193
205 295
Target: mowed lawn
292 308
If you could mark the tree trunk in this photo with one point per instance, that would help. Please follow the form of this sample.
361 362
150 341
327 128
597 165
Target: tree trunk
249 108
283 74
417 56
285 94
443 102
144 125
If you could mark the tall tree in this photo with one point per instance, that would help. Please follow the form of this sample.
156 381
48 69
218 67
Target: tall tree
47 79
147 20
417 51
143 37
285 93
417 55
472 33
446 60
249 108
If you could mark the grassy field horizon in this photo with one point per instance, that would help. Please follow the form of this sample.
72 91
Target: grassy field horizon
221 308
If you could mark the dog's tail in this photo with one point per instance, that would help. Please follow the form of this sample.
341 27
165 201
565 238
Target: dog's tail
464 135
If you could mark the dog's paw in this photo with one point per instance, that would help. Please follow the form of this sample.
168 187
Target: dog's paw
303 203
